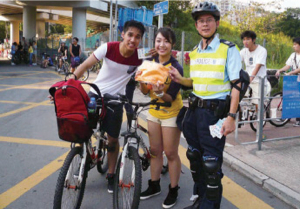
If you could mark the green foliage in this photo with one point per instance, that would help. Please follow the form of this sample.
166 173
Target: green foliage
290 23
2 30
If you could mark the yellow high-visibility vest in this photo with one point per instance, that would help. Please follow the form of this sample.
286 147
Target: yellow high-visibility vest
207 70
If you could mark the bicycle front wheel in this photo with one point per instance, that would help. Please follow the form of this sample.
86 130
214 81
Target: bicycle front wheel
275 107
128 189
254 125
69 192
102 164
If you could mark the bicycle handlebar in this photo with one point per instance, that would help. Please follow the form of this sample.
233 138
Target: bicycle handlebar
123 99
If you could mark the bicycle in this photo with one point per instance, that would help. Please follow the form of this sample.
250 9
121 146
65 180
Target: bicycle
128 178
67 70
275 108
96 67
248 112
71 182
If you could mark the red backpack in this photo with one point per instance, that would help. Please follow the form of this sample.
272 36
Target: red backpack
71 101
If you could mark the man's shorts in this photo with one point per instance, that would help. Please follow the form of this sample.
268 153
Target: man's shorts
112 121
255 91
170 122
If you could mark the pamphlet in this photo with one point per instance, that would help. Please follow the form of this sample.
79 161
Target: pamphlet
215 130
143 53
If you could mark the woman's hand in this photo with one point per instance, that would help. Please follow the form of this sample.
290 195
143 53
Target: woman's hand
158 88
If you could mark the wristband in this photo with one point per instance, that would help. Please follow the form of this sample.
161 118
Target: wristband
160 94
233 115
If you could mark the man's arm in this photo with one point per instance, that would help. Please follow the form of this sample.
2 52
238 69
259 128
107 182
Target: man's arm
87 64
294 72
285 68
79 50
175 76
255 71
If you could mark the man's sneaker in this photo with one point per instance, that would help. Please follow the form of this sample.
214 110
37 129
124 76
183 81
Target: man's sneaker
153 189
195 205
297 124
171 199
110 185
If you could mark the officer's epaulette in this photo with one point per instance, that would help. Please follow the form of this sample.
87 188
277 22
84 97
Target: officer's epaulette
230 44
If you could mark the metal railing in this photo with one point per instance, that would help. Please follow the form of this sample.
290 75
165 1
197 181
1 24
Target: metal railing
260 138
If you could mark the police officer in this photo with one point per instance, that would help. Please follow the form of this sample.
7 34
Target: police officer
214 67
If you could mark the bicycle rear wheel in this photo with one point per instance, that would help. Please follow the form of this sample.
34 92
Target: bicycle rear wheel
127 191
254 125
85 76
69 192
275 104
165 167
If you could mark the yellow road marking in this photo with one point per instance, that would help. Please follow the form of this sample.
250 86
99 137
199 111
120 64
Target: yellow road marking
233 192
34 141
23 109
28 85
21 188
26 103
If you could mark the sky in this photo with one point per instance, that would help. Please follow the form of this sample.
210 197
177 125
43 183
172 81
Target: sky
284 4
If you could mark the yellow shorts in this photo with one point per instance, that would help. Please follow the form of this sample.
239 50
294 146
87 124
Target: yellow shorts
170 122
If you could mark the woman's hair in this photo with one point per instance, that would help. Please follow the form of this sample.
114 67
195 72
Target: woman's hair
168 33
76 38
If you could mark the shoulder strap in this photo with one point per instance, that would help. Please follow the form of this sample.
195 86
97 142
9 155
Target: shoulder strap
228 43
295 61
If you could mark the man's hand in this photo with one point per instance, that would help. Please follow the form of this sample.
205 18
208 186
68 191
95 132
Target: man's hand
175 75
277 74
228 126
152 52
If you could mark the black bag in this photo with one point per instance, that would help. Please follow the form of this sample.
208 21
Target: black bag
245 81
180 117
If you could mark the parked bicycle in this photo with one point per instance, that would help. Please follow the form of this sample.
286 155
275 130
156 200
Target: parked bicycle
65 65
272 111
128 179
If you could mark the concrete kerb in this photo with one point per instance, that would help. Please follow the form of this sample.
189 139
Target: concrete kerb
274 187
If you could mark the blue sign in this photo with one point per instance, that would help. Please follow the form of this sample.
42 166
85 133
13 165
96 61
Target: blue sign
161 8
291 97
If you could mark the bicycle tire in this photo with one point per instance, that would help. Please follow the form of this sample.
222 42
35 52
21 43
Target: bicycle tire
165 167
102 163
253 125
62 185
132 158
277 103
65 67
85 76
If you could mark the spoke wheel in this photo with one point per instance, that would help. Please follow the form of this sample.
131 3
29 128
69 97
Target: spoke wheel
254 125
102 164
165 167
69 192
275 107
127 192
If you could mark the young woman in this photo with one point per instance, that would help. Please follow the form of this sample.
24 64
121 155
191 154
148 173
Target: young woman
163 132
64 51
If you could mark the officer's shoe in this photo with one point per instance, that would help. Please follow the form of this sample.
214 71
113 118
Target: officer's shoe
195 205
171 199
152 190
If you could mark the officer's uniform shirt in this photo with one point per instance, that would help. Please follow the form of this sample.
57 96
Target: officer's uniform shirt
232 67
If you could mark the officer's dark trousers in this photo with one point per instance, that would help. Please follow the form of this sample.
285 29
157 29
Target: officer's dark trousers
196 131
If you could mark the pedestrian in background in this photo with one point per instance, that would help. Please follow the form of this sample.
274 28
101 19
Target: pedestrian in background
292 64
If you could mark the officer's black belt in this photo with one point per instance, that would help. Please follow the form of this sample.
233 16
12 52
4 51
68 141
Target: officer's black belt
211 104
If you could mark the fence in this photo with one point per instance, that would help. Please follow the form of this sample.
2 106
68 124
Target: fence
260 117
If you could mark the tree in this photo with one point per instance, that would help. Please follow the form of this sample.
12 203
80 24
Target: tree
290 23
